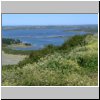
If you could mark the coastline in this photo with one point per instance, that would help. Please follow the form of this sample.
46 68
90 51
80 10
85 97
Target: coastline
22 45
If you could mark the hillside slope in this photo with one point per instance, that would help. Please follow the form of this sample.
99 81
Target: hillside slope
76 67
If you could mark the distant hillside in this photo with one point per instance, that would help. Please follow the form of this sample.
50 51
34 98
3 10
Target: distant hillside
67 27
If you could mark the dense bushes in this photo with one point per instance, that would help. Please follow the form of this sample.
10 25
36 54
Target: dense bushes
77 40
57 66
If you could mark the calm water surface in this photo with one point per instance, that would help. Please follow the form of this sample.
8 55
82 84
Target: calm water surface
39 38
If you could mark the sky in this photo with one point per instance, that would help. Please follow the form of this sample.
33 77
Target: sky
48 19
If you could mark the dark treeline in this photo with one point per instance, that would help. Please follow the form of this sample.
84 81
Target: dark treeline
9 41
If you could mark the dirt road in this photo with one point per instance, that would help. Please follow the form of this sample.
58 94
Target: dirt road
11 59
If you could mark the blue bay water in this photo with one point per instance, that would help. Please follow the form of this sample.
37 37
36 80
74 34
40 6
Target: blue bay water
39 38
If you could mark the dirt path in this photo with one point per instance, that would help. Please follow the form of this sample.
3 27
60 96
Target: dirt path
11 59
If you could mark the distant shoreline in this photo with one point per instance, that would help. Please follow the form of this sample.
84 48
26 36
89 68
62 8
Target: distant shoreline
19 45
38 37
12 27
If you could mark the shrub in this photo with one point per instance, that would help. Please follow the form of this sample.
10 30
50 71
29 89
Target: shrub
27 44
78 40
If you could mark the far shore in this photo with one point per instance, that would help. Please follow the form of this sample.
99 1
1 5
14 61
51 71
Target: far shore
22 45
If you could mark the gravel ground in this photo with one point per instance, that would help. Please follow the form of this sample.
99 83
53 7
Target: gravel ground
11 59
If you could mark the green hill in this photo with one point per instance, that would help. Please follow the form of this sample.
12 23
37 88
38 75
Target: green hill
75 63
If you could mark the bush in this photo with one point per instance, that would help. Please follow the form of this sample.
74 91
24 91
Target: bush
78 40
27 44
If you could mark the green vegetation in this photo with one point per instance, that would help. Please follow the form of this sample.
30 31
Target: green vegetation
75 63
11 51
9 41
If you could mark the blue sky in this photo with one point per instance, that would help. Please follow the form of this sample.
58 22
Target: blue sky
49 19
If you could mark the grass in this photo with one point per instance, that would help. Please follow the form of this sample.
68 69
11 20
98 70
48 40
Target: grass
75 63
16 52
